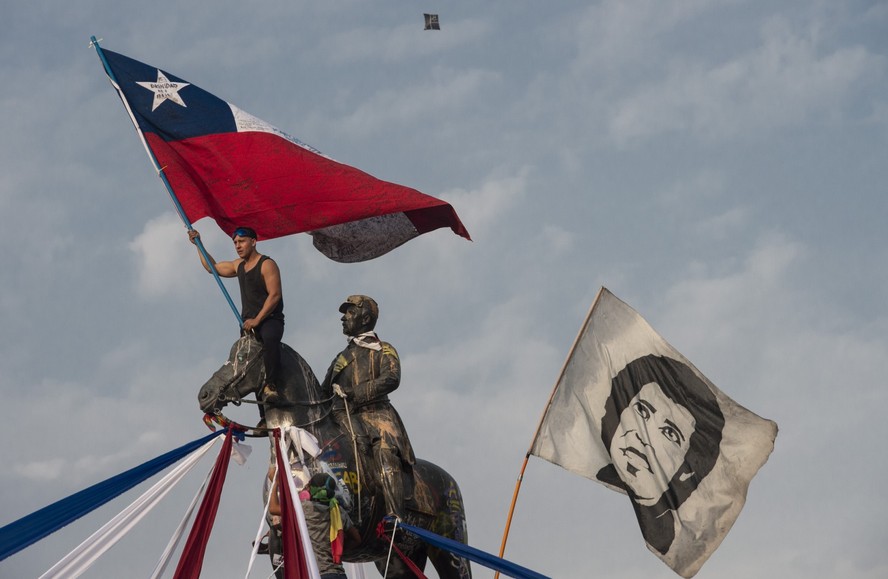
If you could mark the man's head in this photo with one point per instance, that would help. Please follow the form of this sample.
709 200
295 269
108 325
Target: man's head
244 241
322 487
662 426
359 314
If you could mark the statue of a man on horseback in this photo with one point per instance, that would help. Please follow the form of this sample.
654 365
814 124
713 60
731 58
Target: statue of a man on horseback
363 375
361 440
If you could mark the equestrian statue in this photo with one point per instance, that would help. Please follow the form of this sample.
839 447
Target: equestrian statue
362 442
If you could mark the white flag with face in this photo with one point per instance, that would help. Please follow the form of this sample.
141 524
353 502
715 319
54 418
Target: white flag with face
631 412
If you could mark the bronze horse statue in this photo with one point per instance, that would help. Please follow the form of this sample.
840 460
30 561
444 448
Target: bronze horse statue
437 502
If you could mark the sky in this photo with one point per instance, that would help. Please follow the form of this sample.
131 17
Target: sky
719 165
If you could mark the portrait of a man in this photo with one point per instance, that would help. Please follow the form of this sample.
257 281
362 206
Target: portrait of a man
662 427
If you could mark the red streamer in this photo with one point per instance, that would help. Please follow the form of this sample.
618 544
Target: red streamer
295 564
380 532
191 561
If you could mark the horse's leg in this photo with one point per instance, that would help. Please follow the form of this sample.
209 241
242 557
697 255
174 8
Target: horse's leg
450 523
448 565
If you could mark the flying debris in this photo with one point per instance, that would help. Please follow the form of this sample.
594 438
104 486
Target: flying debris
431 22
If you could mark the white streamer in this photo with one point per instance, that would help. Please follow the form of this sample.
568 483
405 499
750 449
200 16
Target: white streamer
262 527
180 530
85 554
300 517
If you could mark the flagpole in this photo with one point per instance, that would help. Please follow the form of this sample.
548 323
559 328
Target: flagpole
160 173
540 425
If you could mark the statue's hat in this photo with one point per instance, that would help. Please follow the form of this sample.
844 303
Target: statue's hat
363 302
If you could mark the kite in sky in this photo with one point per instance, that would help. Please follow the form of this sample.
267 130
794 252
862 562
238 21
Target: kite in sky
431 22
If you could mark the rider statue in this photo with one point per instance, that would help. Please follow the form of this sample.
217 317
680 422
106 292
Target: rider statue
363 375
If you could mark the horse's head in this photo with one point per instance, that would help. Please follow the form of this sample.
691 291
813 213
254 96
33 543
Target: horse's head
240 375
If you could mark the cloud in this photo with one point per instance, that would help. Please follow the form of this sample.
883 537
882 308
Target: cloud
415 104
161 250
699 199
613 34
747 293
704 185
486 205
789 78
557 239
44 470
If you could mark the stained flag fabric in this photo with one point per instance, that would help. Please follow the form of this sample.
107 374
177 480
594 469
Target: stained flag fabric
224 163
629 411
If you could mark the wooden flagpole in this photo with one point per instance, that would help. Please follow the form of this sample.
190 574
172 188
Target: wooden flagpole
540 425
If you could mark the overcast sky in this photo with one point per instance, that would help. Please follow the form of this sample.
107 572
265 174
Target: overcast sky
720 165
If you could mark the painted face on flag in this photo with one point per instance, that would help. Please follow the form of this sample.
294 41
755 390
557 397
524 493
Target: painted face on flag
651 442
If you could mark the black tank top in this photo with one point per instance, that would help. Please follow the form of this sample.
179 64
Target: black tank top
253 292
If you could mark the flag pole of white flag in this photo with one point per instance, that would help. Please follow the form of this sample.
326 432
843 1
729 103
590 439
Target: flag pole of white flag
631 412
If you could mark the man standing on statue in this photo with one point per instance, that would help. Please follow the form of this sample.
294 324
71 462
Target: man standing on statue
262 303
363 375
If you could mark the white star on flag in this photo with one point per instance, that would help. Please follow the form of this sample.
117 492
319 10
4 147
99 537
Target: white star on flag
164 89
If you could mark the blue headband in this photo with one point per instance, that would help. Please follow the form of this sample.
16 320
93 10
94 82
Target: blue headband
244 232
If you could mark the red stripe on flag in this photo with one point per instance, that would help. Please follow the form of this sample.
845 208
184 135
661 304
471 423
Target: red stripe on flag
278 188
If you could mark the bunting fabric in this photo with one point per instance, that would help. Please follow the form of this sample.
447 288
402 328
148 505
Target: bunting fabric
224 163
296 563
88 552
29 529
471 553
191 561
629 411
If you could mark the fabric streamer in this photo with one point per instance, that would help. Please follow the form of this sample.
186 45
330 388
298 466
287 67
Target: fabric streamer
262 527
380 532
164 559
299 560
354 570
32 528
84 555
307 548
470 553
191 561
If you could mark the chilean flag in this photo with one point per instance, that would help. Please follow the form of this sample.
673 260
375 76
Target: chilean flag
224 163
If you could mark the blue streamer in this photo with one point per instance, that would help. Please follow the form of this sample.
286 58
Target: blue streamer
32 528
473 554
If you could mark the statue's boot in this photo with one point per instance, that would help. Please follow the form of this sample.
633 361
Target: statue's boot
267 396
261 424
